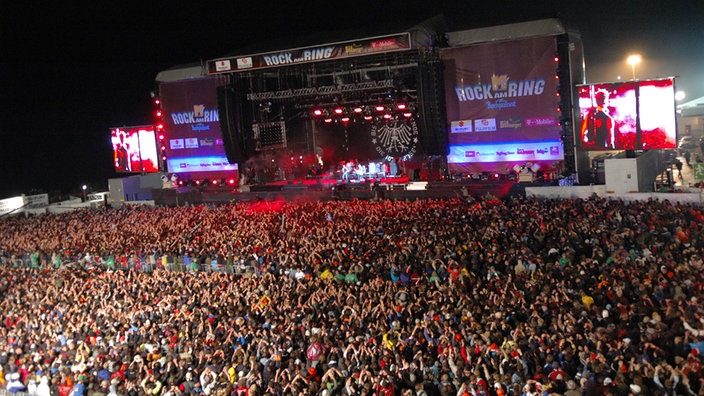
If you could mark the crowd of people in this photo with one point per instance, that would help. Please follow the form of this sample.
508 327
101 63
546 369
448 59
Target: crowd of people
459 296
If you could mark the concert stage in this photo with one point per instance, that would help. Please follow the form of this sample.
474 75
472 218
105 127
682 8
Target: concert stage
331 189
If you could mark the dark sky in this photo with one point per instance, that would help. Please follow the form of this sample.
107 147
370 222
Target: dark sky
71 70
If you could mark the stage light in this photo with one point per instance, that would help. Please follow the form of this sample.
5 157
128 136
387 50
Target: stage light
345 119
157 101
380 108
197 182
338 110
159 126
328 120
231 181
387 116
368 117
180 183
158 113
163 158
401 106
215 182
408 114
163 148
161 136
358 109
317 112
556 58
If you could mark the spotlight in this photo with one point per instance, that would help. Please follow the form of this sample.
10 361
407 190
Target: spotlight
231 181
158 113
317 112
338 110
345 119
408 114
401 106
387 116
358 109
380 108
367 117
328 120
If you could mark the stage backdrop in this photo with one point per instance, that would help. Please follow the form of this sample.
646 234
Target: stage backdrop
502 106
193 138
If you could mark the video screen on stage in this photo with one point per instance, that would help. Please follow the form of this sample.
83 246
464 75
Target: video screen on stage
502 107
134 149
193 139
631 115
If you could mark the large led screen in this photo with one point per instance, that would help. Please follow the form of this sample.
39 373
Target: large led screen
631 115
134 149
193 139
502 107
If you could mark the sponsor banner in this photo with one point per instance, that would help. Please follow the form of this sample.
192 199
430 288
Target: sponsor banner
192 123
513 151
485 125
191 142
200 164
511 83
244 63
223 65
37 200
176 144
394 42
511 123
541 121
461 126
12 205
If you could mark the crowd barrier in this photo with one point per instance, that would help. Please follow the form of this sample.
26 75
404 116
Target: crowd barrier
176 266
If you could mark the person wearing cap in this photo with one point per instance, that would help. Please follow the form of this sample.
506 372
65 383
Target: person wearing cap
14 385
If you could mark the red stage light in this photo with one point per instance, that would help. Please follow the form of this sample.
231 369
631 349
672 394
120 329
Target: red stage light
345 119
380 108
556 58
161 136
231 182
157 101
358 109
163 148
158 113
368 118
180 182
160 126
338 110
197 182
408 114
163 158
215 182
328 120
317 112
387 116
401 106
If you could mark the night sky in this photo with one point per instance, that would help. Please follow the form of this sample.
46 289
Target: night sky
71 70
